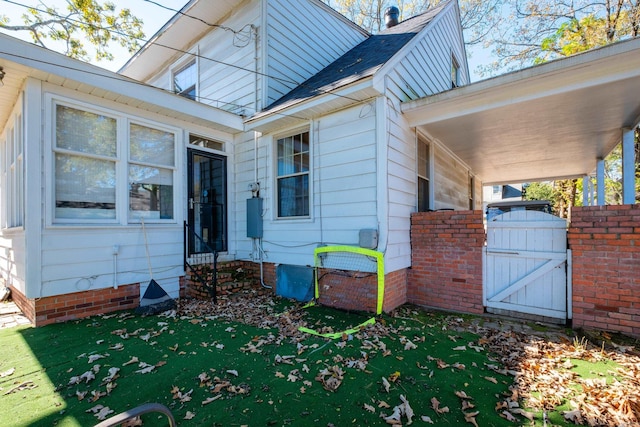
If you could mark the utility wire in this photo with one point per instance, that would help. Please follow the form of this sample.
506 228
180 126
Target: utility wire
196 55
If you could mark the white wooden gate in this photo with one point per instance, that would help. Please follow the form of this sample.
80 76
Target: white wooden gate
525 265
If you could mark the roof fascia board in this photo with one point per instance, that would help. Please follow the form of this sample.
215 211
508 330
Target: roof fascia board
379 76
340 16
153 39
302 108
564 75
461 33
57 64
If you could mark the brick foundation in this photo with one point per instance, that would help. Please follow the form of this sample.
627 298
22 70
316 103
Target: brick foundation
61 308
232 277
446 260
359 291
605 245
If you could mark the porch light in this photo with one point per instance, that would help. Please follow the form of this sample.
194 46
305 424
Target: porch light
2 74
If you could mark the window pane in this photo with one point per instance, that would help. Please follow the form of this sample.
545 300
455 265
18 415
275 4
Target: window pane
423 195
293 154
85 132
293 196
184 81
206 143
150 192
152 146
85 188
423 159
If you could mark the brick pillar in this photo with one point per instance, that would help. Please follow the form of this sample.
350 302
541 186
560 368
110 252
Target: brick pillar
605 246
446 260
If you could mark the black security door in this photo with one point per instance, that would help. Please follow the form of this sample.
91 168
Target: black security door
207 201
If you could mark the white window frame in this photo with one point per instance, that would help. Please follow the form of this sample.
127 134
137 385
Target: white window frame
173 168
123 122
421 139
309 173
12 171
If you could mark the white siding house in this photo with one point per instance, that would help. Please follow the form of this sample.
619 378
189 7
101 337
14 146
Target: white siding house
288 102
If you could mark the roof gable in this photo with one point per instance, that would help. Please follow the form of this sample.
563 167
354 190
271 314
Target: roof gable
363 61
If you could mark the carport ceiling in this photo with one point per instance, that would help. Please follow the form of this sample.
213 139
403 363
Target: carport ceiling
546 122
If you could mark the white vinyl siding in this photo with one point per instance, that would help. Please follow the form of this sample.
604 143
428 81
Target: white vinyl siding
452 178
426 68
343 189
303 37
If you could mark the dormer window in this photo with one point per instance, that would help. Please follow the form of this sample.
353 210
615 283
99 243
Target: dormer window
455 73
184 81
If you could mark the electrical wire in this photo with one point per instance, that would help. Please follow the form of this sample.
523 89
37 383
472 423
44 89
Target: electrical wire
236 33
279 79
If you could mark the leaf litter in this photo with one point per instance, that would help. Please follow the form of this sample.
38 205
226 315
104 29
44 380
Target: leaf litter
535 370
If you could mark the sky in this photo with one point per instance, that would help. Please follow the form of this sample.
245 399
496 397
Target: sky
154 17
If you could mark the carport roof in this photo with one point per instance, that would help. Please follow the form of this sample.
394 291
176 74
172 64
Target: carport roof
550 121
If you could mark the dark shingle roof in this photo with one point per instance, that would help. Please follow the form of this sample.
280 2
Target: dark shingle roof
362 61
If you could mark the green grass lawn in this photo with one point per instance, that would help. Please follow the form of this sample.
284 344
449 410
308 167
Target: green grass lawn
213 371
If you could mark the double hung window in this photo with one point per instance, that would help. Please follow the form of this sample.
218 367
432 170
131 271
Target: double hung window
424 173
151 162
100 159
293 175
86 149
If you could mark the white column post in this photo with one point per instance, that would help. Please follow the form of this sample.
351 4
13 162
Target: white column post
628 167
600 182
586 190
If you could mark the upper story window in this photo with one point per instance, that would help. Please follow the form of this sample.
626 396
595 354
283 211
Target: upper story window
424 175
94 170
455 73
185 79
293 175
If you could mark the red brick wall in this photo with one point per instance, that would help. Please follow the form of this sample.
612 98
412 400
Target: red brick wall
446 260
60 308
25 305
605 245
359 291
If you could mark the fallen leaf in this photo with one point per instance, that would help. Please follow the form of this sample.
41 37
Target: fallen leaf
491 379
426 419
133 360
103 413
94 357
146 370
211 399
189 415
435 404
508 416
460 348
528 415
470 417
385 384
232 372
369 408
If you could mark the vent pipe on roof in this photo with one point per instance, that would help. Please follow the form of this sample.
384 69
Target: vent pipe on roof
391 16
